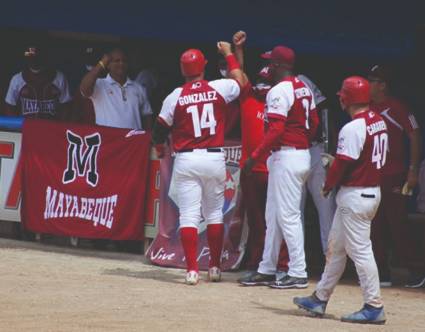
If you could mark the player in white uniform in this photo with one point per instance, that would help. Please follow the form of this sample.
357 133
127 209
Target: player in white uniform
325 206
361 153
291 119
194 114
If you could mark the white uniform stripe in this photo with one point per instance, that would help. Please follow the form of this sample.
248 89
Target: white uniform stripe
385 114
413 121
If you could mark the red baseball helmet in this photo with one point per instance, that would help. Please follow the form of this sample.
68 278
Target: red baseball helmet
354 90
192 62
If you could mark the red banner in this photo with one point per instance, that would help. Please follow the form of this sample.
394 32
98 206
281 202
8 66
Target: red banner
166 249
84 181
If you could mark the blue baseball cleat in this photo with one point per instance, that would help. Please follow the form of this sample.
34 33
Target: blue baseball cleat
312 304
367 315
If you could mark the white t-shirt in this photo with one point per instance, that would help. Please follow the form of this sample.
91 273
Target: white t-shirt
119 106
31 103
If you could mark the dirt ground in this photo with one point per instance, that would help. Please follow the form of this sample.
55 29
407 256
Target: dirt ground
51 288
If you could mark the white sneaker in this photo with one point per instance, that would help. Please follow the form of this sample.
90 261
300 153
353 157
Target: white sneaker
214 274
192 278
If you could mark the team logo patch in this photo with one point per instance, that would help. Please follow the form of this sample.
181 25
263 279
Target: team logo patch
79 162
275 103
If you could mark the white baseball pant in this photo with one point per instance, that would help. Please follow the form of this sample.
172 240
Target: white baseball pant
350 235
288 170
199 178
325 206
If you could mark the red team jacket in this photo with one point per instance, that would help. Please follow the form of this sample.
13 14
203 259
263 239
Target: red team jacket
399 123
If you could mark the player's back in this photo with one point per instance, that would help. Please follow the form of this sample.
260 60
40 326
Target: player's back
365 139
293 99
199 113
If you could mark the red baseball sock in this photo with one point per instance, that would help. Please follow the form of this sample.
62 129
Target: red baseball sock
189 239
215 234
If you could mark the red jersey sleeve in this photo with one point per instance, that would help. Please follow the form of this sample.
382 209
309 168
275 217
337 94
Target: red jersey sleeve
276 129
405 118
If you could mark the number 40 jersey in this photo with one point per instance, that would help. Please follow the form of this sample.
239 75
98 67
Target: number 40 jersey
364 140
196 113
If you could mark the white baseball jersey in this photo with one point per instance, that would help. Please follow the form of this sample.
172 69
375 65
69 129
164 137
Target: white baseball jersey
196 113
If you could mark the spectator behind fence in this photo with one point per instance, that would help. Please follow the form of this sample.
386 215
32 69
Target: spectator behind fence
389 228
38 91
118 101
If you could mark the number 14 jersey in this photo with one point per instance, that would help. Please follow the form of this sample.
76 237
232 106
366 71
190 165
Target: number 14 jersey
196 113
364 140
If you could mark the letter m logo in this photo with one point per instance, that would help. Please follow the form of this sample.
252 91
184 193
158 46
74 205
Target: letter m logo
79 162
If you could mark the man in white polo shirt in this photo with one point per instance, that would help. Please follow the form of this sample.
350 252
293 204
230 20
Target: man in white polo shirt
117 100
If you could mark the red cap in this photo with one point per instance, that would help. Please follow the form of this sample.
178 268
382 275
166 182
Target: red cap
354 90
281 54
192 62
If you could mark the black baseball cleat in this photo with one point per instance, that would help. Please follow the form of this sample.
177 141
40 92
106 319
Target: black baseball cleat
257 279
288 282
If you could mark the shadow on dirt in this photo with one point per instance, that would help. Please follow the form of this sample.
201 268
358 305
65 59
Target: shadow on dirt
162 275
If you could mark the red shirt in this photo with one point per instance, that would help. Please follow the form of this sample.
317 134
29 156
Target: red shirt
363 142
252 126
196 113
399 123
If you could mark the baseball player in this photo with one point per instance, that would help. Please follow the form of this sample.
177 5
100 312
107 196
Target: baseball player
291 121
194 114
361 154
389 228
254 187
325 206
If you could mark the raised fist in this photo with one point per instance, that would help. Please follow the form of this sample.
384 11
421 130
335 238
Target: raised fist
239 38
224 48
106 59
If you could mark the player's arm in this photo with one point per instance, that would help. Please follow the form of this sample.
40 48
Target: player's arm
164 122
410 125
233 67
89 80
350 144
415 156
279 100
160 133
276 128
239 39
336 173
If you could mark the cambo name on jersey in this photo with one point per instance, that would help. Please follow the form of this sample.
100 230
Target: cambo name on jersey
375 127
198 98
